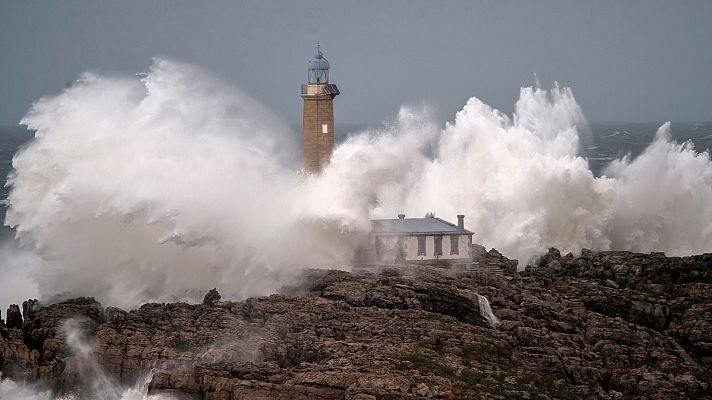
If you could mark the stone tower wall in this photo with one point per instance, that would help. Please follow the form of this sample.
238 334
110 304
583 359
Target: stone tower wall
317 146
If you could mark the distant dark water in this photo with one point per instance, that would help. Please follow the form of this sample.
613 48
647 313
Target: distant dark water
610 141
615 140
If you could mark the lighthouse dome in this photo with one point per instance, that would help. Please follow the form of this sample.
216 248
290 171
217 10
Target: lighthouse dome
319 62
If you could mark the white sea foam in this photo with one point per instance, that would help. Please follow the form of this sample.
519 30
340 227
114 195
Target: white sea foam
146 188
17 391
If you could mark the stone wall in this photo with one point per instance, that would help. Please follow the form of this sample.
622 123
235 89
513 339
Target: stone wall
317 146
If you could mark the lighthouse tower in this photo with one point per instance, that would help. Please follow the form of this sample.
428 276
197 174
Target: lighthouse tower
318 120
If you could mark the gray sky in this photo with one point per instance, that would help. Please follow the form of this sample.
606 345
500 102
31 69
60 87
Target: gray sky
625 60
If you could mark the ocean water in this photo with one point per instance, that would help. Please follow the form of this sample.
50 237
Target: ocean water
615 140
609 141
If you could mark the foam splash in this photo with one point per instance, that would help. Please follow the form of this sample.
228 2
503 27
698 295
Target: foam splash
171 183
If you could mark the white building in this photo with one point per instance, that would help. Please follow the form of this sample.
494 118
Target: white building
416 240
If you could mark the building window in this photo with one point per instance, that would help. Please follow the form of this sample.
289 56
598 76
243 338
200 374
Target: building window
324 128
421 245
438 245
454 245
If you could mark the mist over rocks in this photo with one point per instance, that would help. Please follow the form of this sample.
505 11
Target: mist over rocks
599 325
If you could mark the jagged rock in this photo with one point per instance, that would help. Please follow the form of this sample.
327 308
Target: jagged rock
14 318
211 297
493 257
29 308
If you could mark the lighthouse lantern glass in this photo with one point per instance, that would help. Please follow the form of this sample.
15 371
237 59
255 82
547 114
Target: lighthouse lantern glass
318 76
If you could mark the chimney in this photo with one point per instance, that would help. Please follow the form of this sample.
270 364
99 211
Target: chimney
401 216
461 222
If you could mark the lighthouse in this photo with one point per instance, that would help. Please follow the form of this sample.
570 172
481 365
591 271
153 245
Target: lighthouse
318 116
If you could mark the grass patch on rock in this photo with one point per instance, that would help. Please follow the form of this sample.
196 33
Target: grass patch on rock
499 385
499 353
424 364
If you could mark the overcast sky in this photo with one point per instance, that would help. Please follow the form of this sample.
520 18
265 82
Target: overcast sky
625 60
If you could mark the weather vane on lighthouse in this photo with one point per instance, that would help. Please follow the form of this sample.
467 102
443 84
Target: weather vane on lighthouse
318 117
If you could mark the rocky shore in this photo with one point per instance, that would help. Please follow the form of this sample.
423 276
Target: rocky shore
609 325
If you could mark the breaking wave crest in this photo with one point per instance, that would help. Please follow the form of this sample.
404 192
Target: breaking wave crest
145 188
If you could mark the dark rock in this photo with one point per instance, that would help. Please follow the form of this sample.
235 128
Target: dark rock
30 308
211 297
14 317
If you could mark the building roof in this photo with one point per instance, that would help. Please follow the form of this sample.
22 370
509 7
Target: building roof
416 226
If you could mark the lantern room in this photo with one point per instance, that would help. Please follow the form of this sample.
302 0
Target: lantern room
318 68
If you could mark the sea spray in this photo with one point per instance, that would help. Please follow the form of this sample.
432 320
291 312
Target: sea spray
486 311
95 382
153 187
18 274
16 391
92 375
